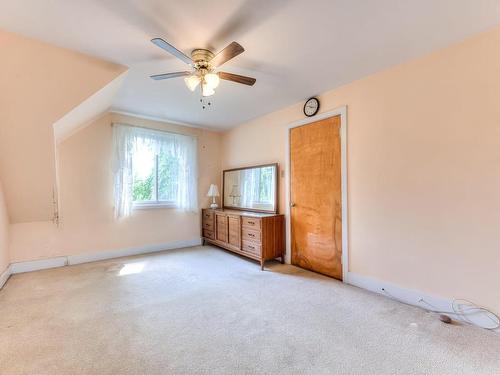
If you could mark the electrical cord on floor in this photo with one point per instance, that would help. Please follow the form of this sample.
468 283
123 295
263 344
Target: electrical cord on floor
462 308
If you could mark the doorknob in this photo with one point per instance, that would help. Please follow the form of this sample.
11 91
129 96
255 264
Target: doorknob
292 204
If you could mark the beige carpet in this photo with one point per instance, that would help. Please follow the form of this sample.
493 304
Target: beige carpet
205 311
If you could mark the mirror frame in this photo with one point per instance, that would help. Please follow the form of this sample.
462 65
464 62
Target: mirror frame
276 188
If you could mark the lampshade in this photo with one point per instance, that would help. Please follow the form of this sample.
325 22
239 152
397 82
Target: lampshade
235 191
207 90
192 81
212 80
213 191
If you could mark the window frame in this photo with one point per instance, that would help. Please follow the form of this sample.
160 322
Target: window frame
144 205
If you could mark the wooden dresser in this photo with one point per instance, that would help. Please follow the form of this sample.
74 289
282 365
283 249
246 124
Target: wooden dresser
257 236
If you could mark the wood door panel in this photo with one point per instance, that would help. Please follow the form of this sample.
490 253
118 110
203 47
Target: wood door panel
316 196
221 228
234 231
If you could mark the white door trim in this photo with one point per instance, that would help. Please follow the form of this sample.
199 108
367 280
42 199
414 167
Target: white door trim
342 111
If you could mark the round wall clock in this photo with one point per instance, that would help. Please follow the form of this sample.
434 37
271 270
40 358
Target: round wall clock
311 107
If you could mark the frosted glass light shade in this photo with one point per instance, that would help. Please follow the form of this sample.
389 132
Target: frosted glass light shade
207 90
192 82
213 191
212 80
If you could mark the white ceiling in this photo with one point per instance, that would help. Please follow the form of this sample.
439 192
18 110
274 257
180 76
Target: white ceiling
295 48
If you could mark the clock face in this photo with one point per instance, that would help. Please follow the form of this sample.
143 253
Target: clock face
311 107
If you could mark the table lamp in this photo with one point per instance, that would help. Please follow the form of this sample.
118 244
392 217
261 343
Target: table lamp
213 192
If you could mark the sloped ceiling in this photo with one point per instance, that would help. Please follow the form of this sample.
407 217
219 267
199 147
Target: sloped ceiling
39 84
294 48
88 110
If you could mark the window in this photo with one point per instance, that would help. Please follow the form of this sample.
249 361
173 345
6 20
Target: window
155 177
153 169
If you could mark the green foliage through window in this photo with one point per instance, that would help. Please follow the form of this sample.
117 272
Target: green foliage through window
168 177
155 177
143 189
266 184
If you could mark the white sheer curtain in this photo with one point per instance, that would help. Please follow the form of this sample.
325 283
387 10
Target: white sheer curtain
182 147
250 183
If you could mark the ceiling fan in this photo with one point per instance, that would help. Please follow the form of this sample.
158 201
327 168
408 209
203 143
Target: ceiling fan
204 63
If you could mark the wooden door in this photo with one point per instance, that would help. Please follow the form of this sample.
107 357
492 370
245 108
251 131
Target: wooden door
234 229
221 227
316 197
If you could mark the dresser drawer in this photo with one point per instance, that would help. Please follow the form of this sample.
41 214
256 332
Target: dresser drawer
251 222
208 215
209 225
209 234
251 235
251 247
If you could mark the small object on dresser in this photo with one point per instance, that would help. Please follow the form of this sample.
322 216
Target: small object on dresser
213 192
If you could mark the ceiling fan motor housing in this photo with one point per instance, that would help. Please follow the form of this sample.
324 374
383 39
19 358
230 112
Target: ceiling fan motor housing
201 58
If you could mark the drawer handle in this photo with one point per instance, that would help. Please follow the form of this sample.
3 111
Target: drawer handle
251 222
207 225
251 235
251 247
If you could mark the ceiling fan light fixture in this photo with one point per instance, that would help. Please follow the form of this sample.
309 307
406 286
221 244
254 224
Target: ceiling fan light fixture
206 90
212 80
192 81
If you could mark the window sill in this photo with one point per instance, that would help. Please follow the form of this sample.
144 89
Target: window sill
148 205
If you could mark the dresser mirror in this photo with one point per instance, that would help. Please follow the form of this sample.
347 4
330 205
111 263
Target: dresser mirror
251 188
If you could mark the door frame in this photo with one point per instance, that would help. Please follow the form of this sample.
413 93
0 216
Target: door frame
342 111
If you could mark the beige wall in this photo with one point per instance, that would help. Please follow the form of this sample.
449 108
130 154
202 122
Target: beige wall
39 84
86 198
423 169
4 233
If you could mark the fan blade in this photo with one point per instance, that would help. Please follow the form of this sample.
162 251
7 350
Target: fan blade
172 50
232 50
158 77
237 78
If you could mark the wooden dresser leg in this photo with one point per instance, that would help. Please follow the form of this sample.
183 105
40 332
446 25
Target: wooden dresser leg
282 259
262 264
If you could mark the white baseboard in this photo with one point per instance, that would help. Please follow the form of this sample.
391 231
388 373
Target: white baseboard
35 265
86 258
41 264
4 276
412 297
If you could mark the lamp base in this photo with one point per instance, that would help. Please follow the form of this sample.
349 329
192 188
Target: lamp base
214 205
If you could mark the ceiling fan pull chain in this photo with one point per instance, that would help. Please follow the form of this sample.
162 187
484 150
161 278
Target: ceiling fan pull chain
205 103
